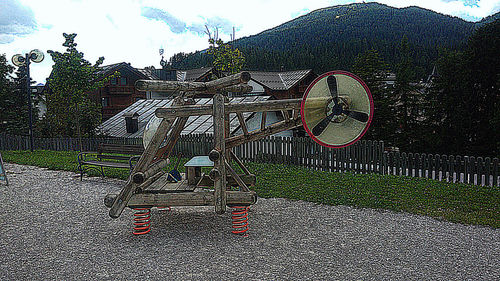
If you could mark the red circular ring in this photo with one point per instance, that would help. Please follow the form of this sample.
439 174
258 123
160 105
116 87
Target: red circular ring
302 104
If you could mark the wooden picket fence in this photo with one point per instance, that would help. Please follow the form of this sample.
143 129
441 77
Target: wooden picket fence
362 157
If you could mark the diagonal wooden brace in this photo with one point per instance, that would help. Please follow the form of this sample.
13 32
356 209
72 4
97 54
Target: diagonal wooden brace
143 164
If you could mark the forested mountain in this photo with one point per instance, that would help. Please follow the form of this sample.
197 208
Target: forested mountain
331 38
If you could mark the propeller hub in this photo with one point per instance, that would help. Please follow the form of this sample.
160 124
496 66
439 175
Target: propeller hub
337 109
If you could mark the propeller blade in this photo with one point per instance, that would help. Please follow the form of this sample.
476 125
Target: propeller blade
332 86
321 126
360 116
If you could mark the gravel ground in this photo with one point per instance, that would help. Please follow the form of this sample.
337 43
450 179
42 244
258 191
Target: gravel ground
55 227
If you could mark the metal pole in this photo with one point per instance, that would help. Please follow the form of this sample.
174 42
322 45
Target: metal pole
28 90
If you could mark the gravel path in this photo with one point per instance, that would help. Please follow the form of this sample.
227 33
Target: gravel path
55 227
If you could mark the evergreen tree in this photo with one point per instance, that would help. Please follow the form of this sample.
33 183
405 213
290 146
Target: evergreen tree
409 101
13 100
373 70
466 96
7 98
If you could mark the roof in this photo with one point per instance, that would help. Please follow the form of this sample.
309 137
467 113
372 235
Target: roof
192 75
148 73
115 126
109 69
279 80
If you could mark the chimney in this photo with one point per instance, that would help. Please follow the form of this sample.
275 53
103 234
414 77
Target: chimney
131 122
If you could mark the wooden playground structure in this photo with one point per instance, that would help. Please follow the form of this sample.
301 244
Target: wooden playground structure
150 186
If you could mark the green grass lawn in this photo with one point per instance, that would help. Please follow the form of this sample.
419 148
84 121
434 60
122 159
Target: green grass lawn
462 203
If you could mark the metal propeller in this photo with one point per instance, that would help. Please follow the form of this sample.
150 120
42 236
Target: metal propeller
337 109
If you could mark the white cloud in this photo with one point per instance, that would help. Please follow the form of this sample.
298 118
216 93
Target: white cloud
117 29
472 10
16 19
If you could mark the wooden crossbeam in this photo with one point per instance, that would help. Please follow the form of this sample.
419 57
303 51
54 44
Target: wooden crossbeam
195 110
259 134
211 86
190 199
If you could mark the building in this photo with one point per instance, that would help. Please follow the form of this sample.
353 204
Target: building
119 93
130 122
281 85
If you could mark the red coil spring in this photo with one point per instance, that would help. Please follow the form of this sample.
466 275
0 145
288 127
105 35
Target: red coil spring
166 208
142 221
240 220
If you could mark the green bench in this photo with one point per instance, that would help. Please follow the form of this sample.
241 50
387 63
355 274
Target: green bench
105 156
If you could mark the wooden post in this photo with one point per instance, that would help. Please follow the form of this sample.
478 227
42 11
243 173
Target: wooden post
227 130
219 164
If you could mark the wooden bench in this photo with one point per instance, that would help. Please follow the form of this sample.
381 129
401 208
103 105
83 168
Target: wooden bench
105 156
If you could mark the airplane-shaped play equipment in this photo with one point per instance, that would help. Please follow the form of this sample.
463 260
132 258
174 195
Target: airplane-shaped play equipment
336 111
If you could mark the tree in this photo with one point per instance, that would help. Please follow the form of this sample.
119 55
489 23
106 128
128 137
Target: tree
225 58
70 112
373 70
409 101
7 98
13 100
466 96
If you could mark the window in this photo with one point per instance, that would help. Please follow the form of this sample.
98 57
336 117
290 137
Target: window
113 81
123 80
105 102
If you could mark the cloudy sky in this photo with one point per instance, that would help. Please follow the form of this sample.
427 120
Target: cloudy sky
134 30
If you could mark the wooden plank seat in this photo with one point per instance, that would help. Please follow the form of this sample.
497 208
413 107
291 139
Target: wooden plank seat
104 157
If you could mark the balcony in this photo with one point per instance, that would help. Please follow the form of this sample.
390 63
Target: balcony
118 89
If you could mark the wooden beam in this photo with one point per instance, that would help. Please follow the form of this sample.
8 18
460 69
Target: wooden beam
285 114
243 125
259 134
240 88
149 181
154 168
263 120
219 143
142 164
177 86
262 106
169 86
236 177
227 129
190 199
235 79
183 199
172 138
240 163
